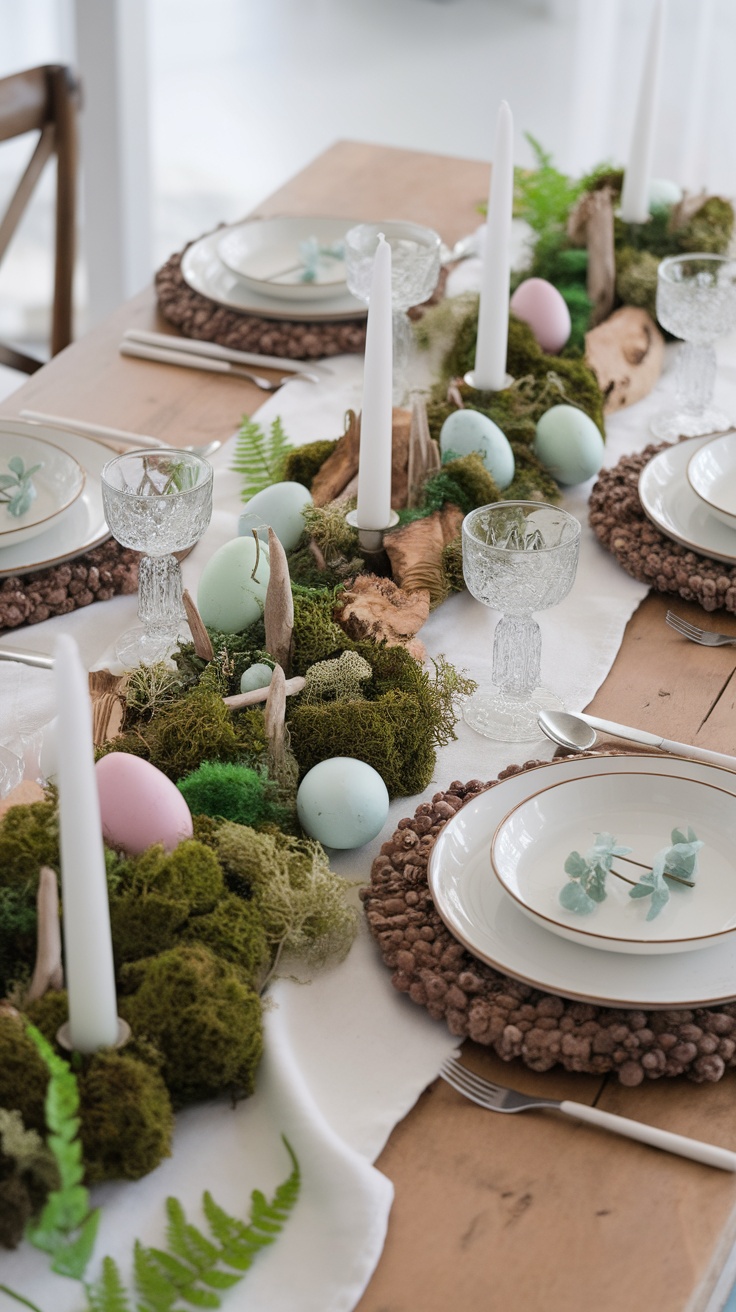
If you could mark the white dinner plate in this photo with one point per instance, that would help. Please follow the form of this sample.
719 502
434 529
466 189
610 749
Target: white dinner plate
669 501
205 272
532 843
83 526
481 916
711 473
57 483
269 255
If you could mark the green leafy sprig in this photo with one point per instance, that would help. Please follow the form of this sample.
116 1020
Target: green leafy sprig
260 456
20 478
678 862
587 886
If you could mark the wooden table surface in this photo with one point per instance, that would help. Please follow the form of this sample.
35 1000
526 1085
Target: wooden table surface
492 1213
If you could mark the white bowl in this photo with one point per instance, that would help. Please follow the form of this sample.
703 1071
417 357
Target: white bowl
531 844
58 484
266 255
711 473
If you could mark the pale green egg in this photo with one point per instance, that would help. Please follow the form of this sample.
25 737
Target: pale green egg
232 589
465 431
280 506
663 194
256 676
568 444
342 802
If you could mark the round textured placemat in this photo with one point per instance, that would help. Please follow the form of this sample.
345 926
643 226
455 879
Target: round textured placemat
104 572
616 516
515 1019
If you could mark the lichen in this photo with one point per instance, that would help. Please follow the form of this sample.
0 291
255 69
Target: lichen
126 1117
232 792
338 680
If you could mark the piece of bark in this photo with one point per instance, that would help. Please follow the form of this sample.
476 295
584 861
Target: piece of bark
337 476
275 714
424 453
48 972
415 551
108 704
377 609
591 224
278 612
256 695
23 794
200 637
626 354
686 209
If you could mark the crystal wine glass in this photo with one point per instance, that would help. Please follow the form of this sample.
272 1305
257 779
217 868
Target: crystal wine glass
156 502
518 557
415 268
696 301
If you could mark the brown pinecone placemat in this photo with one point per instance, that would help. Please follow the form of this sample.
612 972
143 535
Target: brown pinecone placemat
104 572
515 1019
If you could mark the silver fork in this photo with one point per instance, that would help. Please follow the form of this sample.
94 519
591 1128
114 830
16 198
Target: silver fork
497 1098
705 637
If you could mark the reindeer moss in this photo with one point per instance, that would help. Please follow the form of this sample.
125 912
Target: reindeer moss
126 1117
23 1073
202 1015
235 932
232 792
304 463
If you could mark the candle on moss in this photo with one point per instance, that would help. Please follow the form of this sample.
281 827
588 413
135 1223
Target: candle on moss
637 178
88 959
489 373
376 435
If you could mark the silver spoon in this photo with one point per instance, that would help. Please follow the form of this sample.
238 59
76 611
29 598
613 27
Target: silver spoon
578 734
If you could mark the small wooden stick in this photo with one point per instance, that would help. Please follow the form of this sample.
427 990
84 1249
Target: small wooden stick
275 714
278 612
256 695
48 972
424 456
201 638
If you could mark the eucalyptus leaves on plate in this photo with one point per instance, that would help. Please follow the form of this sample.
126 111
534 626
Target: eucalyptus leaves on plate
16 488
587 887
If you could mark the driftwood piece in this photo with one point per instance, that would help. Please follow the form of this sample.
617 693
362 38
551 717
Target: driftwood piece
686 209
274 715
338 475
401 430
415 551
108 704
48 972
256 695
22 795
591 224
378 609
278 612
424 453
626 354
200 637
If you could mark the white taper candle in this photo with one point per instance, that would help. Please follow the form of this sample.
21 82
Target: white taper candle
635 190
489 373
374 469
88 960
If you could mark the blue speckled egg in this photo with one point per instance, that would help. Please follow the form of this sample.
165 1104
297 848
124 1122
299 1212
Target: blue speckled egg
256 676
342 802
465 431
229 597
279 506
568 444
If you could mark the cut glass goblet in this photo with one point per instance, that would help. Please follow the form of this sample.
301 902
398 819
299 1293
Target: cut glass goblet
696 301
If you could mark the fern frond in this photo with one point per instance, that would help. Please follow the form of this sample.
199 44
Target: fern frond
108 1294
260 456
155 1291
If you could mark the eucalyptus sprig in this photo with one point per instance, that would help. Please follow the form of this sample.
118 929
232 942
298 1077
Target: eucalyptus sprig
20 479
587 886
260 456
678 863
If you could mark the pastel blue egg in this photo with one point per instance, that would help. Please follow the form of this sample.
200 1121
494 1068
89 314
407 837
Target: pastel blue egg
342 802
568 444
256 676
232 588
465 431
280 506
663 194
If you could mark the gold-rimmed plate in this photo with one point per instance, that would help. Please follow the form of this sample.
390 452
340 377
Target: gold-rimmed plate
669 501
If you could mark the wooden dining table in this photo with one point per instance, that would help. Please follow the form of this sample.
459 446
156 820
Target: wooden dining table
491 1213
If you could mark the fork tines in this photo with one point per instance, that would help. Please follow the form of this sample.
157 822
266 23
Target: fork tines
472 1086
680 625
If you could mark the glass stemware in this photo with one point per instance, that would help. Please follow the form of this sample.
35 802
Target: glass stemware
156 502
415 268
696 301
518 557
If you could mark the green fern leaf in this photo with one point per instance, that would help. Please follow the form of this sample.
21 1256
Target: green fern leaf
153 1287
260 457
108 1293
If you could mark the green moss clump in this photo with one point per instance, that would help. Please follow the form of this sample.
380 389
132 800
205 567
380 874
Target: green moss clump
23 1073
202 1015
235 932
195 727
49 1013
232 792
390 734
452 565
29 839
304 463
462 481
306 573
316 635
191 874
145 923
328 527
17 935
636 278
126 1117
710 229
27 1175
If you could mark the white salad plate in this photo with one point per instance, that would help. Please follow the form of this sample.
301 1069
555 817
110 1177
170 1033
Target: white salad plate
711 473
532 843
205 273
669 501
269 256
82 526
485 919
57 484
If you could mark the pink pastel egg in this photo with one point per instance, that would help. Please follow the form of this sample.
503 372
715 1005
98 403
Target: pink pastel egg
540 305
139 806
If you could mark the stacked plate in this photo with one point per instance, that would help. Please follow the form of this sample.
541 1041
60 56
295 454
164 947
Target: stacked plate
497 870
689 491
282 268
65 517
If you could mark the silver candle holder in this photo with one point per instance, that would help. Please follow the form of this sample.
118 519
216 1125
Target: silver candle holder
370 540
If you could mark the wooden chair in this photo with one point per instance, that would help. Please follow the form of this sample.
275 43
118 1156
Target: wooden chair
44 100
